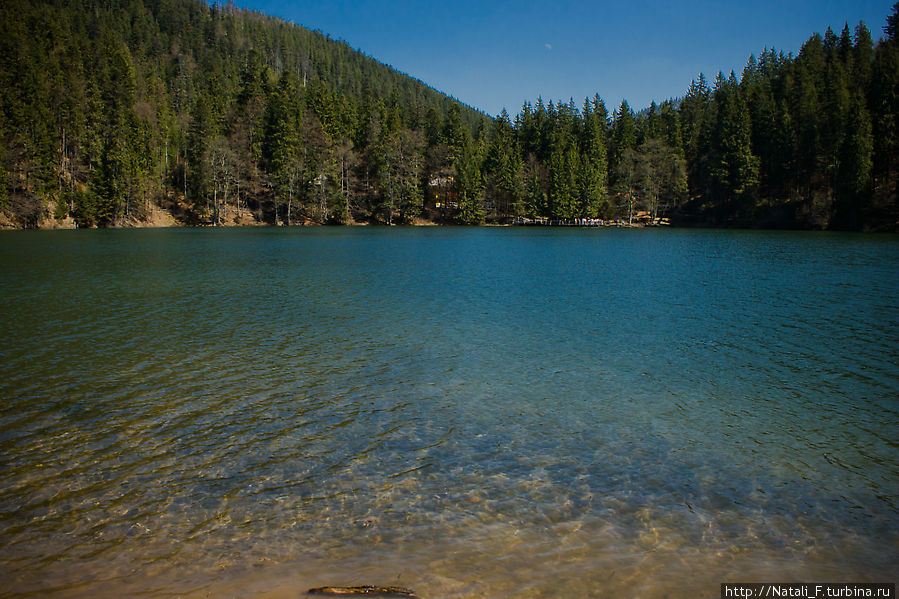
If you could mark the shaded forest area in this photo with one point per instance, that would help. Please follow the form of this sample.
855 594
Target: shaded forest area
113 112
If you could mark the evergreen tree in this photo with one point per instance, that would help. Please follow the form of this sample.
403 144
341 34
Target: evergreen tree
862 57
282 149
590 190
884 106
593 176
399 177
199 172
4 175
891 29
662 176
456 133
835 109
433 127
502 166
470 187
627 177
696 117
853 177
671 126
736 167
562 183
624 137
535 202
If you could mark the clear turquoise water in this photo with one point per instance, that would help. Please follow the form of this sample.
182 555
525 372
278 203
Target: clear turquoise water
468 412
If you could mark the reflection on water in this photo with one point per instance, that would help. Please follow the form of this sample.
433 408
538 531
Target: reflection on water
467 412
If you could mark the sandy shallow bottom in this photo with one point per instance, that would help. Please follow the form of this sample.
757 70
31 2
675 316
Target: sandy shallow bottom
626 576
565 560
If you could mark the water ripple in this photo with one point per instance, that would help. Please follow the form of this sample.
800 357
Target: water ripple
589 410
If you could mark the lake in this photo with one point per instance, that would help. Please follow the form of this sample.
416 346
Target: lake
469 412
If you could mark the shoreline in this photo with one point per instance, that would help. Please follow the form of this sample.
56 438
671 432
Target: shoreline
66 226
160 218
163 219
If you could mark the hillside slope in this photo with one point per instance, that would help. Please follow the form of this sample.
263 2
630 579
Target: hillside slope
108 108
147 112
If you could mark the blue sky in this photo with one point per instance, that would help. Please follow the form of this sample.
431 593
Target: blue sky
492 55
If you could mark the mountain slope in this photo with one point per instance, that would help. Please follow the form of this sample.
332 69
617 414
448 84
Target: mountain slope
100 102
116 112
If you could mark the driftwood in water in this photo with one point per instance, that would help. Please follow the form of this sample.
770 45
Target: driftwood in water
365 590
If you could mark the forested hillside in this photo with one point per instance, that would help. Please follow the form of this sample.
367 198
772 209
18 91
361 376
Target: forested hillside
809 141
109 108
114 111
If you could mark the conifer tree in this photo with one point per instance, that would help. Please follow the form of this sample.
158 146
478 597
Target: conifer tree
4 175
624 134
835 111
735 168
853 177
503 165
696 116
589 195
593 179
671 125
399 176
282 149
535 201
884 103
862 57
470 186
456 134
200 135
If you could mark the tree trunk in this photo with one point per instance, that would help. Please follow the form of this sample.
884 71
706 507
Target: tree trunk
62 160
165 172
630 208
225 193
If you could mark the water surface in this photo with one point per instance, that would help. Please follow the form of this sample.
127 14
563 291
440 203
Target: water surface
467 412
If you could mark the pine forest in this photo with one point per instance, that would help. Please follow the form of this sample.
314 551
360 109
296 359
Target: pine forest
130 112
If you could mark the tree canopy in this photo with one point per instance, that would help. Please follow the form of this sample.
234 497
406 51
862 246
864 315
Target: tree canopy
113 110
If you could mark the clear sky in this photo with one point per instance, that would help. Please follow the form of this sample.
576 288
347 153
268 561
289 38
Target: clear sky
496 54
